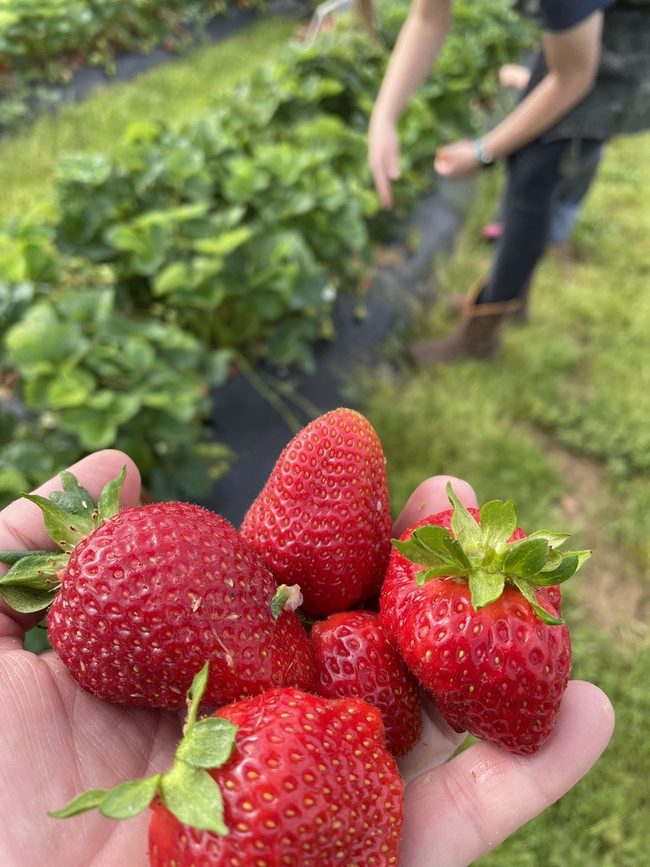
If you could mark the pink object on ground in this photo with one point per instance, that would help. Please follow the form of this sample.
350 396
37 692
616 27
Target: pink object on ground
492 231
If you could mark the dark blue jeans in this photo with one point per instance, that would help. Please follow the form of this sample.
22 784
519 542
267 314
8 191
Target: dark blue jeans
533 176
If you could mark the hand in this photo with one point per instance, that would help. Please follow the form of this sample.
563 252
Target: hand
514 75
457 160
56 740
383 157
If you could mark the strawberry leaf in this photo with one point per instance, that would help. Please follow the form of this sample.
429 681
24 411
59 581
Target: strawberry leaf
108 503
208 744
32 582
431 545
466 530
529 594
65 528
12 557
485 587
130 798
27 601
498 522
554 539
526 558
194 797
432 572
73 498
571 562
85 801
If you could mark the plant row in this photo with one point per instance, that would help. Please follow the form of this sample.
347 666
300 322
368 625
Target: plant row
231 237
42 42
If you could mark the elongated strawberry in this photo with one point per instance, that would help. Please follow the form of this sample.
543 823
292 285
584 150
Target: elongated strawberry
473 605
323 518
353 658
285 778
140 598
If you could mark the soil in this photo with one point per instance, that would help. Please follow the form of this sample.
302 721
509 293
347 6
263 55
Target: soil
611 593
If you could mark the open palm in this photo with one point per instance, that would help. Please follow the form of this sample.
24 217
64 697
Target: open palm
56 740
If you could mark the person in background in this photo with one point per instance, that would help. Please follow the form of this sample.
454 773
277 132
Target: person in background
56 739
577 178
591 81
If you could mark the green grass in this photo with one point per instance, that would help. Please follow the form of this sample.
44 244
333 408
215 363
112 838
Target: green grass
173 92
560 423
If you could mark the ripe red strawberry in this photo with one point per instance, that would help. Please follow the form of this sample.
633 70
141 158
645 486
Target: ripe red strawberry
323 518
141 598
285 778
353 658
479 626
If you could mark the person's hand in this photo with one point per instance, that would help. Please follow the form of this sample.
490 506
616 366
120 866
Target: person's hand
514 75
57 741
457 160
383 157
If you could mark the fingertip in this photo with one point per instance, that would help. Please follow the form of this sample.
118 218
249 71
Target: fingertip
430 497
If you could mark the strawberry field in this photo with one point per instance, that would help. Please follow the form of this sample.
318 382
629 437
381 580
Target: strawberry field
177 231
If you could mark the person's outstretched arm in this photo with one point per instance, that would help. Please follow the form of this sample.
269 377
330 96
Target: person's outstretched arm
415 52
572 58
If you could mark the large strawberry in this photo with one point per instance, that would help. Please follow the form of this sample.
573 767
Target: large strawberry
285 778
141 598
480 624
323 518
352 657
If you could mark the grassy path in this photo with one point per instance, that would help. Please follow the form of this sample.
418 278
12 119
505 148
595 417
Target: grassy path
175 92
560 423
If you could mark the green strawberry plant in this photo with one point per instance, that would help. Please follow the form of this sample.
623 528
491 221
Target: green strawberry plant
97 378
231 236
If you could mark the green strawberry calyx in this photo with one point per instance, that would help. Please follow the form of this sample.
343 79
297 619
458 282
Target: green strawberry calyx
482 555
70 516
188 790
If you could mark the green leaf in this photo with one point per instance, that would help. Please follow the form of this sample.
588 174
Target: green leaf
74 498
65 529
25 600
108 504
194 797
130 798
12 557
431 545
33 581
571 562
554 539
466 530
446 571
485 587
526 558
208 744
498 522
36 571
529 594
175 277
86 801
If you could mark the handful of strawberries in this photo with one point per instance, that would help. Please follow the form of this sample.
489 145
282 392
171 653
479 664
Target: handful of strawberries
300 646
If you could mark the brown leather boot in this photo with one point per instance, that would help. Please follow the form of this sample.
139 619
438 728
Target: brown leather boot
456 302
478 336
